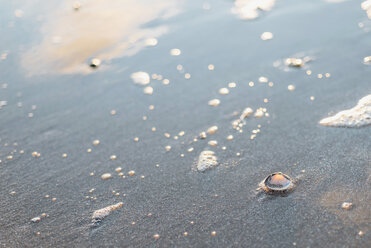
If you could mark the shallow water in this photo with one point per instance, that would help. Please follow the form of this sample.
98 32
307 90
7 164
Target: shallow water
53 103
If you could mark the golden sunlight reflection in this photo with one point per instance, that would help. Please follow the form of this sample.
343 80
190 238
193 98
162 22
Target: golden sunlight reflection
101 29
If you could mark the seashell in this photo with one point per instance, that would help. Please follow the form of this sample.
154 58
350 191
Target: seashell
277 184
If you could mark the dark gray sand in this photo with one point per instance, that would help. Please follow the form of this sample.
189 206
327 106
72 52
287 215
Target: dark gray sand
45 62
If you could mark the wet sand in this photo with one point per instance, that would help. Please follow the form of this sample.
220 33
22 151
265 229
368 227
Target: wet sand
74 104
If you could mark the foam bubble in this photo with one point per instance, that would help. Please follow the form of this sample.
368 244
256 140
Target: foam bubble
175 52
214 102
213 143
266 36
224 91
212 130
106 176
151 42
148 90
140 77
367 60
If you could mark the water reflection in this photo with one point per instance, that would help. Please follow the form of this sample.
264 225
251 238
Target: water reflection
100 29
358 214
250 9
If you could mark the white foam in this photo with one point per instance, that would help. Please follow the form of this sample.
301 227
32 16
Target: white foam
100 214
358 116
366 5
206 160
140 77
246 113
